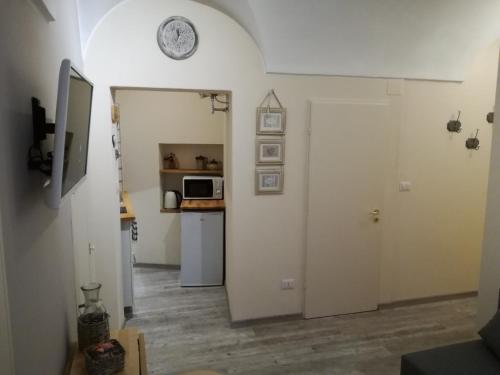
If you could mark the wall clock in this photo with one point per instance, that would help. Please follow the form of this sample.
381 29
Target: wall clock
177 38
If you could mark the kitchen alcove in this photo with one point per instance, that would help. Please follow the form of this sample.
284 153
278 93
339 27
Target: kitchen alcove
185 153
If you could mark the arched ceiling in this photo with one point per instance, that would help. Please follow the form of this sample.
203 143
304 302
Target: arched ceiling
425 39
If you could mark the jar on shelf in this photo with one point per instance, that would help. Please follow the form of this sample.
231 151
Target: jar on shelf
170 161
213 165
93 322
201 162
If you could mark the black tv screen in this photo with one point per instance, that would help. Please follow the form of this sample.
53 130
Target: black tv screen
77 131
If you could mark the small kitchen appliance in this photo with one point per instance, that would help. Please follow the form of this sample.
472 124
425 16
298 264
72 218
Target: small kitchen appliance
202 187
172 199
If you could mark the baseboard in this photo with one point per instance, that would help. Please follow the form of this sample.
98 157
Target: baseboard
420 301
161 266
391 305
268 320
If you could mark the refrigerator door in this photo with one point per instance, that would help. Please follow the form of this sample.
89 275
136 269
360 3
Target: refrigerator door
202 248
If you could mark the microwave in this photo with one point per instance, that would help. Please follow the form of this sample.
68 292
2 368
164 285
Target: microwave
202 187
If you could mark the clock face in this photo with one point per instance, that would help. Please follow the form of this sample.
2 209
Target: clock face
177 38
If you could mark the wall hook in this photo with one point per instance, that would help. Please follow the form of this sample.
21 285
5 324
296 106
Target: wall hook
473 143
455 126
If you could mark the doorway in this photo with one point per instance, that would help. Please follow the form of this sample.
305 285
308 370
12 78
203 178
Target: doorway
163 138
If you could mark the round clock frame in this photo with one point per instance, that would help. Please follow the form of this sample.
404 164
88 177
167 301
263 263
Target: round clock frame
187 39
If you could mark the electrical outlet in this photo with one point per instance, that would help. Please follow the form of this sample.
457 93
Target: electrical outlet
288 284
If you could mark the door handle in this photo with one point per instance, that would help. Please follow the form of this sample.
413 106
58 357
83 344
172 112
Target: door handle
375 214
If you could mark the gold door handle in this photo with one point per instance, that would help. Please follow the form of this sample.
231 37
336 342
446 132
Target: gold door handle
375 214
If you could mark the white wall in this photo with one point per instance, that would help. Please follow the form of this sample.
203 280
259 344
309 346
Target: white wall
384 38
89 15
489 289
438 249
6 350
436 230
148 118
356 37
37 240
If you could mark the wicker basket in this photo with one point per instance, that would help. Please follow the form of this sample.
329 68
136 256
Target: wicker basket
105 358
92 329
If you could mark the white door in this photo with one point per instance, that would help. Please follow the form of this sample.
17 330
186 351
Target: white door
347 176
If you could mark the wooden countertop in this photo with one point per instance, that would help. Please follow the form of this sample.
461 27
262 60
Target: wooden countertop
130 215
135 355
202 204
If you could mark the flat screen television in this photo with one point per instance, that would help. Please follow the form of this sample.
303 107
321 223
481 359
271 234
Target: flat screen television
71 133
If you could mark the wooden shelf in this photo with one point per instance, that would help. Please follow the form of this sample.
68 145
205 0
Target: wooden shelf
191 171
129 215
170 210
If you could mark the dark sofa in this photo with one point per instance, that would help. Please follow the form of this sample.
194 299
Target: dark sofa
468 358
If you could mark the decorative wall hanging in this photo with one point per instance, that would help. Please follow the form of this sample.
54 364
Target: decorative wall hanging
271 120
455 125
473 142
177 38
270 150
269 180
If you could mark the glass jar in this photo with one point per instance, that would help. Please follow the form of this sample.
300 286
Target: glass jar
93 324
93 305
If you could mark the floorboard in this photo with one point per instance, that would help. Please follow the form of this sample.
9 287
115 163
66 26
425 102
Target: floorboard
187 329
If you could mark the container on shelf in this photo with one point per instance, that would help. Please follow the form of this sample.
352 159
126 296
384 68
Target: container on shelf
213 165
170 161
201 162
93 322
105 358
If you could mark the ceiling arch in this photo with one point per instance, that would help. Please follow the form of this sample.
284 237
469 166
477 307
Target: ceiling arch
428 39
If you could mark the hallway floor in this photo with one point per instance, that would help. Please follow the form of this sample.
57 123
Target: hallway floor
188 329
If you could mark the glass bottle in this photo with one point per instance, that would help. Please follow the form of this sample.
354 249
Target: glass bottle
93 305
93 322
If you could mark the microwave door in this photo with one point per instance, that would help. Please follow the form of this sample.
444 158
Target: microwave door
198 189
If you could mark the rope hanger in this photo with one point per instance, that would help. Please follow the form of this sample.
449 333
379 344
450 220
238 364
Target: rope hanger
268 98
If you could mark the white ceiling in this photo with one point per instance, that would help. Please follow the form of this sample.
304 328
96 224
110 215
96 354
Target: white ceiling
422 39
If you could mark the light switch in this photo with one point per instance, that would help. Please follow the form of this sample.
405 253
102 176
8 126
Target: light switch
404 186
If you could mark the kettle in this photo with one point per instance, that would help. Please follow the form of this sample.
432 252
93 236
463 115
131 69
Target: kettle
172 199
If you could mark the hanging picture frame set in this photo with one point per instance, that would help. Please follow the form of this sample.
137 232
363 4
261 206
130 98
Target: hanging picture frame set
270 146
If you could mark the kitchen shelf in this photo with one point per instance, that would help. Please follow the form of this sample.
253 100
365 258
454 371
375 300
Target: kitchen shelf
191 171
170 210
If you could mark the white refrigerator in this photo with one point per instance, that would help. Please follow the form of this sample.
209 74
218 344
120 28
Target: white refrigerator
202 248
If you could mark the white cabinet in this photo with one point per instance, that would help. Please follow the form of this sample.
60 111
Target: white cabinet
202 248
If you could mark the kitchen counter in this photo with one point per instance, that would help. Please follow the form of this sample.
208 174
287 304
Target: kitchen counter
129 215
202 204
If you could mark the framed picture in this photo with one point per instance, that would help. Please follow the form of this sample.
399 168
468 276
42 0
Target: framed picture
271 120
269 151
269 180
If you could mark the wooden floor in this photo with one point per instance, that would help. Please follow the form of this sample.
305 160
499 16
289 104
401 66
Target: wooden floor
188 329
